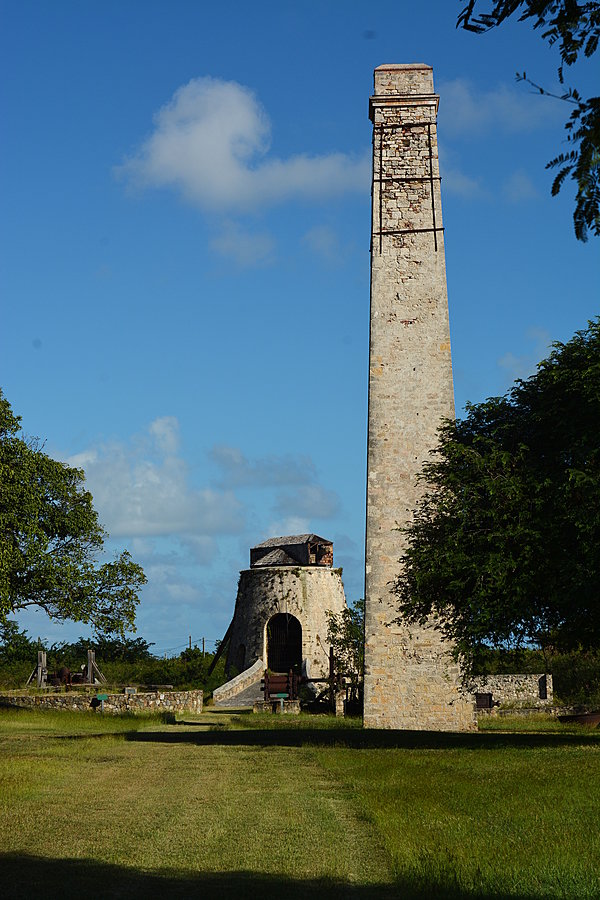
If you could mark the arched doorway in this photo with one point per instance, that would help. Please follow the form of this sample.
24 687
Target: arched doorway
284 643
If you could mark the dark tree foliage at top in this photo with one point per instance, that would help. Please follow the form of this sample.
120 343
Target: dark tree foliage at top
575 27
504 546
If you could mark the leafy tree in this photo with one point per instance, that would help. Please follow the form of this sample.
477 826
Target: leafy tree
51 541
503 548
575 27
108 649
16 645
346 635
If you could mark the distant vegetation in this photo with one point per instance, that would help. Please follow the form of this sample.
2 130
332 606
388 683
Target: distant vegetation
130 661
123 661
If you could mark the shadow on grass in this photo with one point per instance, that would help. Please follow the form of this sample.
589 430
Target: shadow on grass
364 739
24 876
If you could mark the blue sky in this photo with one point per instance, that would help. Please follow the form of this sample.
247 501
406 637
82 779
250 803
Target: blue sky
185 262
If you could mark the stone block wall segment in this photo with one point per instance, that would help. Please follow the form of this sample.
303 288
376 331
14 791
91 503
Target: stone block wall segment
411 680
152 701
524 690
290 707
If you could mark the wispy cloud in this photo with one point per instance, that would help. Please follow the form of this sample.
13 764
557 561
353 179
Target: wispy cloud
288 525
466 110
297 494
143 488
519 188
311 501
324 243
236 470
454 180
245 248
524 365
211 142
165 431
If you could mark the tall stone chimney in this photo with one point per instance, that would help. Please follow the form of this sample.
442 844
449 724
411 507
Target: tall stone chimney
411 680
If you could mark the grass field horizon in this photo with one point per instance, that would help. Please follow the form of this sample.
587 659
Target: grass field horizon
269 806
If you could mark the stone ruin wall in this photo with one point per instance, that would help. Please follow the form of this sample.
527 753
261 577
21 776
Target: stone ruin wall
520 690
152 701
305 592
410 679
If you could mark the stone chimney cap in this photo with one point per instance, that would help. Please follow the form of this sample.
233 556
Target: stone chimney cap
394 66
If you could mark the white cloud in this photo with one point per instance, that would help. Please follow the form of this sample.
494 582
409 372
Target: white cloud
178 551
519 187
456 182
302 499
210 142
201 548
142 488
165 431
83 460
465 110
245 248
142 546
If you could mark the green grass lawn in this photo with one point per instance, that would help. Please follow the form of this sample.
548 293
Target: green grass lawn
267 806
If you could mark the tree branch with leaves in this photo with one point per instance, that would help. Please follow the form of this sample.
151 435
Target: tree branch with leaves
575 27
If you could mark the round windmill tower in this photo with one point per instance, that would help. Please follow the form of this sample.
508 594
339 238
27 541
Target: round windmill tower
281 605
280 617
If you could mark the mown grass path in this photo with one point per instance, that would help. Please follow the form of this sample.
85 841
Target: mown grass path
256 807
257 817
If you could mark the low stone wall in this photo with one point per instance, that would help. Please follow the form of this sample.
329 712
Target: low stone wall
291 707
523 690
152 701
553 712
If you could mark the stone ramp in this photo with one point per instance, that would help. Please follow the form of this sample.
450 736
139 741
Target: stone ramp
242 690
246 697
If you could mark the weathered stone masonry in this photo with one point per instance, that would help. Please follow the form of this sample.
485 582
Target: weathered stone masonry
306 593
519 690
410 679
151 701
